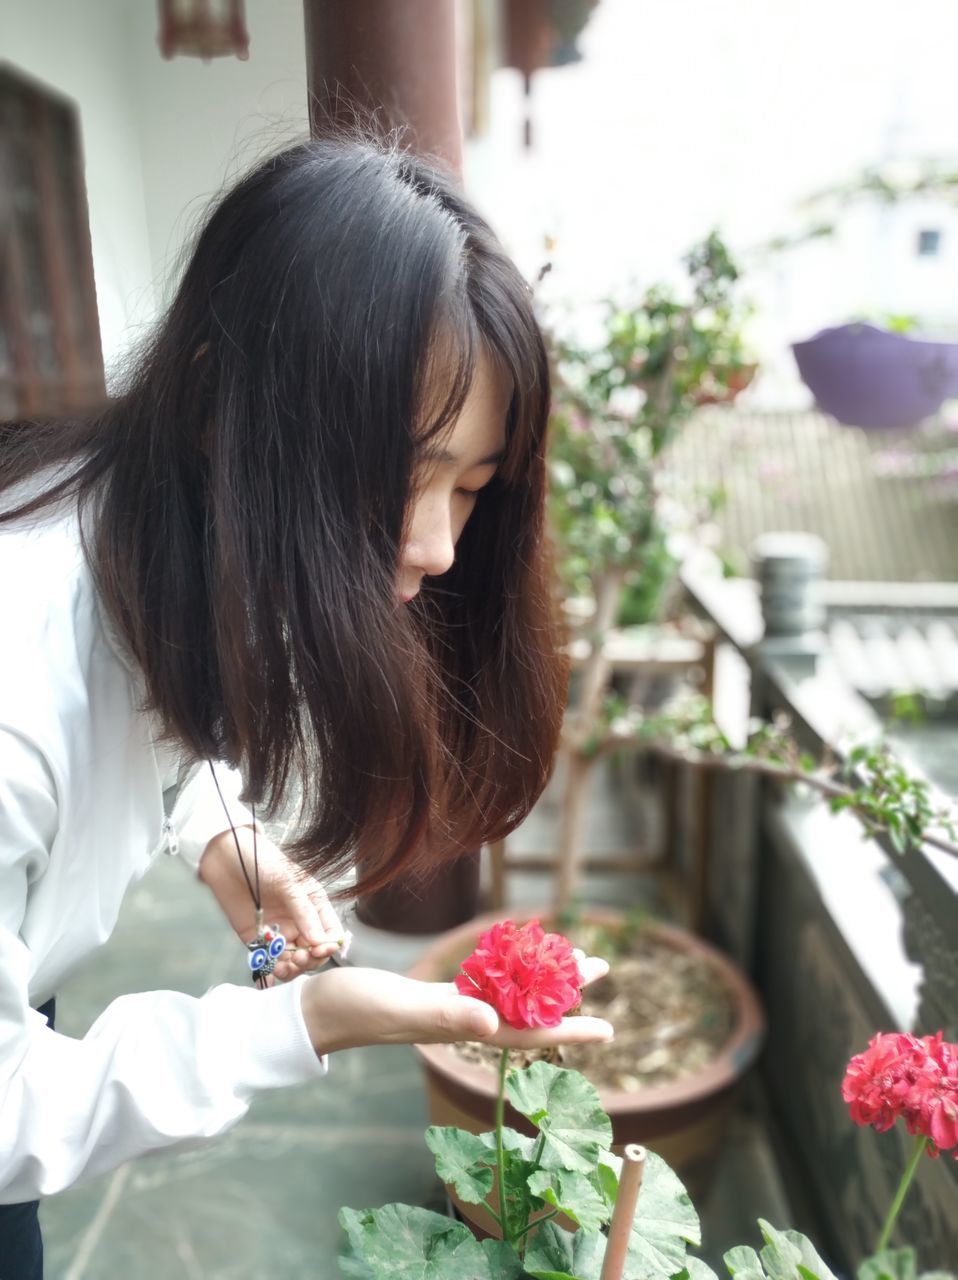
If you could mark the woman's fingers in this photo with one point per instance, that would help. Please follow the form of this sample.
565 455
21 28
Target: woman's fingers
592 968
578 1030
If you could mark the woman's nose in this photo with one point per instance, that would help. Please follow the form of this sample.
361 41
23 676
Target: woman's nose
431 546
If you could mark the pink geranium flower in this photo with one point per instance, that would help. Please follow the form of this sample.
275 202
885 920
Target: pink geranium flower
531 978
905 1077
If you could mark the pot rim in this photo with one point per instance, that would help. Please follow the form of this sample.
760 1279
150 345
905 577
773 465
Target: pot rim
729 1065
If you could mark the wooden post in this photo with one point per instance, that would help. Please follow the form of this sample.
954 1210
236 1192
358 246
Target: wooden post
572 827
620 1228
497 874
394 60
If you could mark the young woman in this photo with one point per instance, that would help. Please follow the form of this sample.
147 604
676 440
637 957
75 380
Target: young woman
305 540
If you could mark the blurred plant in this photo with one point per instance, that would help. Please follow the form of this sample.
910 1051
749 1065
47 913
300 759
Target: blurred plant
890 184
874 784
617 406
617 510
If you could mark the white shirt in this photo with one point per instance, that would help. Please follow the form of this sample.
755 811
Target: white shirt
82 785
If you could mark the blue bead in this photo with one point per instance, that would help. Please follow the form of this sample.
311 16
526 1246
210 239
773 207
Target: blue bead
277 946
258 959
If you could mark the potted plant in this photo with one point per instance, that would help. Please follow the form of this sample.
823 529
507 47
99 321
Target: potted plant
688 1028
882 374
618 405
868 376
562 1205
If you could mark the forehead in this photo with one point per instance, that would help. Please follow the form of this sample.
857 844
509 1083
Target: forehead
478 433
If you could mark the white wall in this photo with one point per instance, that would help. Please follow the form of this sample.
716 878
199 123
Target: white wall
200 123
159 137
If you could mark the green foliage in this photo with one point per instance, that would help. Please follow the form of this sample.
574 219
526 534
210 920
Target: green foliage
879 789
461 1160
556 1254
399 1242
887 798
565 1108
897 1264
618 403
568 1168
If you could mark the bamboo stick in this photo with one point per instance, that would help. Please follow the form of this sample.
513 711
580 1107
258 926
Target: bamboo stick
622 1215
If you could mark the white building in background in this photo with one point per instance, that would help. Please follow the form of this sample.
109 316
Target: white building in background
702 113
681 117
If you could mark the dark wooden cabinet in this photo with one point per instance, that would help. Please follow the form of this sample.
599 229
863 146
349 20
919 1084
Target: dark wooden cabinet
50 356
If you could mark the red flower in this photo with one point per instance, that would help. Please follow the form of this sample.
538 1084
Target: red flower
900 1076
530 978
933 1098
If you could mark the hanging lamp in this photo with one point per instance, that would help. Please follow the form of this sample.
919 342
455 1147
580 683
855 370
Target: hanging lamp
203 29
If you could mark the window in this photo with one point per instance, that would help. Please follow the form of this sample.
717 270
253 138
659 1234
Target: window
50 356
929 243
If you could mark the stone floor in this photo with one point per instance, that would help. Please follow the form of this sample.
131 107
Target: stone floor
263 1200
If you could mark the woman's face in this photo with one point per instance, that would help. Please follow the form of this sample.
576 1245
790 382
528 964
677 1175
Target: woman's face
449 474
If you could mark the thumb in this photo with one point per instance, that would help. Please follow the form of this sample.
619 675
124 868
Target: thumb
468 1019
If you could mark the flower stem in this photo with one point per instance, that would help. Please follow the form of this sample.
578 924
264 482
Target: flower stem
500 1153
537 1222
921 1142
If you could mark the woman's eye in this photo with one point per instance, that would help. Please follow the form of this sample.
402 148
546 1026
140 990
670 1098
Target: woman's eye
469 493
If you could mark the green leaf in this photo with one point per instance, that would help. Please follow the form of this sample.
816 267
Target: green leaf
890 1264
566 1108
573 1194
512 1141
696 1269
461 1159
398 1242
606 1176
743 1263
664 1223
788 1255
519 1163
503 1261
554 1254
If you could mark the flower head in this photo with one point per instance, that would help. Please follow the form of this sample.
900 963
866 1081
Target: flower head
531 978
905 1077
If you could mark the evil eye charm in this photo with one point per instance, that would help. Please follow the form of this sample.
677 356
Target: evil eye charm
277 946
259 960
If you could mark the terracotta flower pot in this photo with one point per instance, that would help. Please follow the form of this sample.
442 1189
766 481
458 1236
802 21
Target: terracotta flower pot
683 1121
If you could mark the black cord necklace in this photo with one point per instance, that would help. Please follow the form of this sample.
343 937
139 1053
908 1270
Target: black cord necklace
269 944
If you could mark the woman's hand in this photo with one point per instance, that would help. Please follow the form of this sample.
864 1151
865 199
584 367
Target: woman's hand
348 1007
298 906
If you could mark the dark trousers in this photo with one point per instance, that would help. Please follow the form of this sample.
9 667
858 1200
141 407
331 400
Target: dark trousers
21 1245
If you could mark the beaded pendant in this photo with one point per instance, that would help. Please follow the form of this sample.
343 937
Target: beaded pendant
265 949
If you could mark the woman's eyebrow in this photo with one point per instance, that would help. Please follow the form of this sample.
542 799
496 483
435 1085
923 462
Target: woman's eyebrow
434 454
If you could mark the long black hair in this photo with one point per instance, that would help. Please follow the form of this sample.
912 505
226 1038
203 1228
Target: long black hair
247 492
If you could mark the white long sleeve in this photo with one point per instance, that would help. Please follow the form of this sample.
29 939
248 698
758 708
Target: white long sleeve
81 819
158 1070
